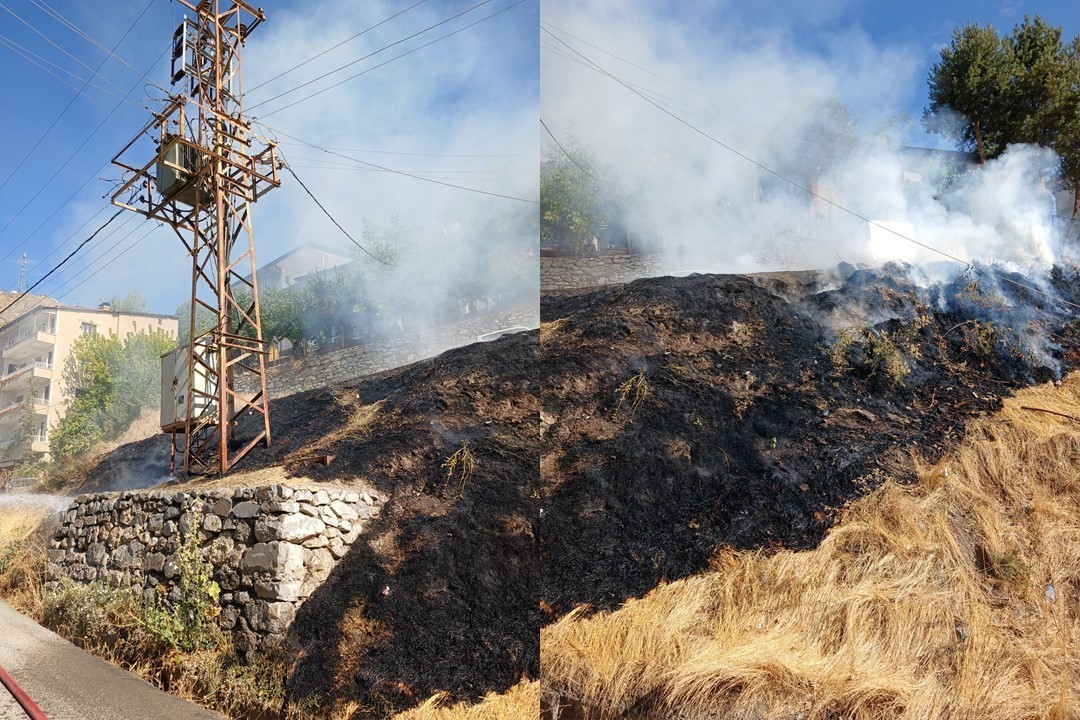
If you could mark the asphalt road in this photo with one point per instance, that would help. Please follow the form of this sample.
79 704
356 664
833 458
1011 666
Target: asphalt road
70 684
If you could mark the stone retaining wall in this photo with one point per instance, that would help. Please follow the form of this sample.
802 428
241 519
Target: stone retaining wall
571 273
269 547
341 366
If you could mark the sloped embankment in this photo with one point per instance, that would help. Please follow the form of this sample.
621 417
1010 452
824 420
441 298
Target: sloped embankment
681 415
955 596
440 593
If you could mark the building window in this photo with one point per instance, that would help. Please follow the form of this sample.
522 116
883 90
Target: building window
87 328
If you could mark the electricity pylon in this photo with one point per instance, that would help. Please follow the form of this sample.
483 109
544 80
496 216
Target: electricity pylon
208 169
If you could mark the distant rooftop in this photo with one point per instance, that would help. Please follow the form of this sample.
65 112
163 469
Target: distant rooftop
22 305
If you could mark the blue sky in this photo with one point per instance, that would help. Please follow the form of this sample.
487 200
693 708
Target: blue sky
851 37
473 96
699 84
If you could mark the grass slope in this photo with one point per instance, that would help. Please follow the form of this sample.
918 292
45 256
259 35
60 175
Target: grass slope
955 597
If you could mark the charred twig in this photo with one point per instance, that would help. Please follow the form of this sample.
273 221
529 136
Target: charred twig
966 322
315 459
1050 412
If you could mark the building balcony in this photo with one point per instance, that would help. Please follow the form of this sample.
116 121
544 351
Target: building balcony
31 341
9 412
39 443
21 378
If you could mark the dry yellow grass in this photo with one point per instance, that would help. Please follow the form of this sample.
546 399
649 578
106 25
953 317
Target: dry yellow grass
22 559
955 597
547 330
518 703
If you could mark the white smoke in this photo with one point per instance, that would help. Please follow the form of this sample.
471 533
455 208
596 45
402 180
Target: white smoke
707 209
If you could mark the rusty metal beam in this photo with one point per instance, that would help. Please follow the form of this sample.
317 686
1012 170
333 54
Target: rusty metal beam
232 167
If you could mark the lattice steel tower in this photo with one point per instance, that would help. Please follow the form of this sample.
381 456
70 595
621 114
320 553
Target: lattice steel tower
206 171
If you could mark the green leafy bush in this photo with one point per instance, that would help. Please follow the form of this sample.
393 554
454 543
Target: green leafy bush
112 381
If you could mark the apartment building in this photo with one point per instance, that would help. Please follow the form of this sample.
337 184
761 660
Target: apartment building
33 349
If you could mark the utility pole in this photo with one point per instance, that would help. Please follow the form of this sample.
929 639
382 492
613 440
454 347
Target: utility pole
206 171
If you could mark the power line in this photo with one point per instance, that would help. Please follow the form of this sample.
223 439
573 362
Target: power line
70 157
327 213
101 256
68 107
402 172
568 155
61 263
58 47
632 64
365 57
126 250
417 154
42 5
72 196
396 57
63 278
807 190
41 62
335 47
671 102
100 241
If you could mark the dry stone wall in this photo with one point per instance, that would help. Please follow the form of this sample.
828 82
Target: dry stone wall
572 273
269 547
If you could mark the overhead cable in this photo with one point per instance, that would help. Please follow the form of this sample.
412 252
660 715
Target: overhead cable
332 219
402 172
387 62
805 189
61 263
58 47
335 47
41 4
567 154
365 57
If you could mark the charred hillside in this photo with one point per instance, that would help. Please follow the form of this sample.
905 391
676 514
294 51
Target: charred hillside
683 414
440 593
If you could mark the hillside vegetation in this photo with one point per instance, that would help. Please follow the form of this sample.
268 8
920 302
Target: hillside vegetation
957 596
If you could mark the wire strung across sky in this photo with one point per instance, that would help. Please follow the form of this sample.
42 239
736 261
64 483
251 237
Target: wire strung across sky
55 14
396 172
69 158
365 57
58 47
72 102
386 62
567 154
832 203
327 213
61 263
335 47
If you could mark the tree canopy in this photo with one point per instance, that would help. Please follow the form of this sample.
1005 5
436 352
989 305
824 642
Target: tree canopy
576 200
112 381
969 88
133 302
989 91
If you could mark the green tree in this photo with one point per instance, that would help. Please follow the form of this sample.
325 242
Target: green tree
575 199
133 302
25 427
973 81
111 381
1038 102
1068 141
204 320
